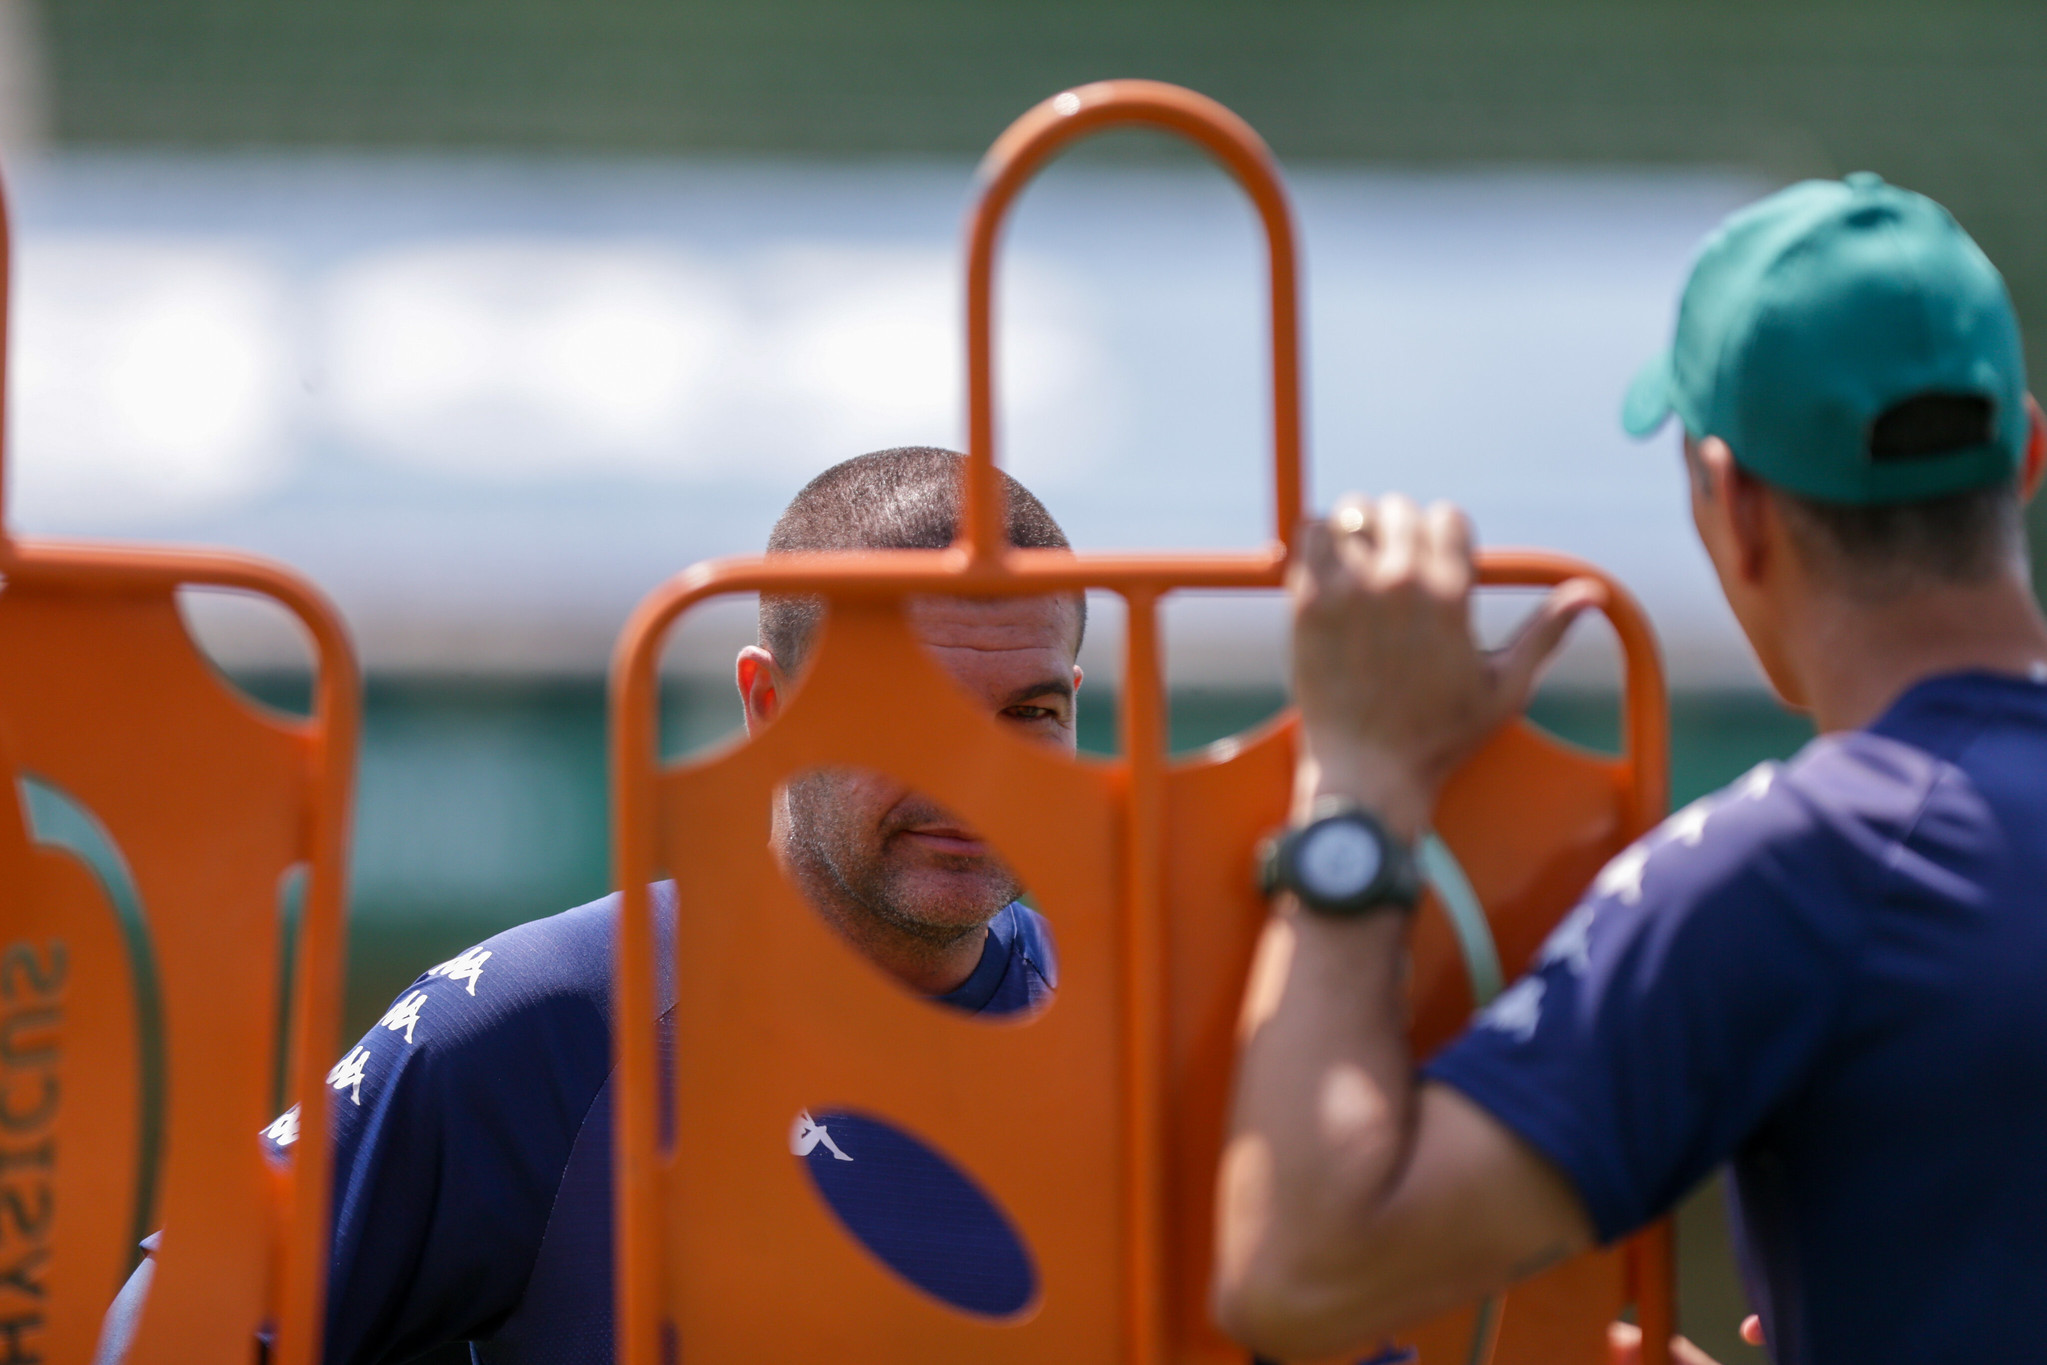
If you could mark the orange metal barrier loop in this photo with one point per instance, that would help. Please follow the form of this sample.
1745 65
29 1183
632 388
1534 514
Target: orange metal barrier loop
1020 153
1144 868
210 802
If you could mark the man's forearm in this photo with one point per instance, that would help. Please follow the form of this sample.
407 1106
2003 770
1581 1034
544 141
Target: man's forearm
1355 1201
1323 1121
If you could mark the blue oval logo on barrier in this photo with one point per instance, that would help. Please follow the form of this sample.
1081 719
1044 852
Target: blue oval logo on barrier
919 1214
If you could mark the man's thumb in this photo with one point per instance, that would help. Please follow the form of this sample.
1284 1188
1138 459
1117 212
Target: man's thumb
1521 661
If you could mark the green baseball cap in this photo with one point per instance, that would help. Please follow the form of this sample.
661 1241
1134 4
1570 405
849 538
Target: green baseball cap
1809 318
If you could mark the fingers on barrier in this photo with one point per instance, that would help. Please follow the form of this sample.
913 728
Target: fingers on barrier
1092 1130
138 1061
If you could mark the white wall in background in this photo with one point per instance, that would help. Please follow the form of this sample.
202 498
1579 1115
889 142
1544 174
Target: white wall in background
151 379
487 404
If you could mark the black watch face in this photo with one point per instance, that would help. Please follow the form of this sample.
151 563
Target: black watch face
1337 859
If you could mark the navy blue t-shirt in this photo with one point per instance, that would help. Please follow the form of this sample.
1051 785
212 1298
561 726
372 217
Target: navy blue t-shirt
472 1134
1834 975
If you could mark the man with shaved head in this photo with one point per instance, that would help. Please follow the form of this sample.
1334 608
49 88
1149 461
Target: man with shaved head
472 1128
891 871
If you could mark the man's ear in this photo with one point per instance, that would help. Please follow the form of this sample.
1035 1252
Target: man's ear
1743 504
760 687
2035 461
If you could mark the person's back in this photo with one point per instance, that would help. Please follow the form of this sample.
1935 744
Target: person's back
1896 1175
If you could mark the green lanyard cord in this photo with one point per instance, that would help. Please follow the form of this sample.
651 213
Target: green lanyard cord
1467 919
1482 968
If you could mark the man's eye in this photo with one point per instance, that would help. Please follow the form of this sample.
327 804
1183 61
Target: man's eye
1031 713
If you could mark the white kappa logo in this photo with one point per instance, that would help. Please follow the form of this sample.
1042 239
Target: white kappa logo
405 1014
348 1073
468 967
284 1129
1517 1011
808 1133
1622 878
1571 941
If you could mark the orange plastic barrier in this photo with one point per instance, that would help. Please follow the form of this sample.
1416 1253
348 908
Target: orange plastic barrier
1109 1105
210 802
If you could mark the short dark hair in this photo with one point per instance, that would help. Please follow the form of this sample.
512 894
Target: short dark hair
905 498
1878 550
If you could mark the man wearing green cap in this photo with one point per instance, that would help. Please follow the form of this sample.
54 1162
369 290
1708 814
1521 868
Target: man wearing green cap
1831 975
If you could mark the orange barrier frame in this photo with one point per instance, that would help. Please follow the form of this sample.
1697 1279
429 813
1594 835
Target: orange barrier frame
210 800
1181 833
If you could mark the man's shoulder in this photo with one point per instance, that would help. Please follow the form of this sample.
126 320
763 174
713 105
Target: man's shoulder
566 953
560 961
1815 837
524 1011
527 976
522 988
1812 832
1864 778
1847 797
1870 794
1766 878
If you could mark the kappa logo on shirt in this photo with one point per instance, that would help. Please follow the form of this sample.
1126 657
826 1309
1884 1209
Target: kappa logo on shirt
808 1134
468 967
284 1129
348 1073
1516 1011
1621 879
1571 941
405 1014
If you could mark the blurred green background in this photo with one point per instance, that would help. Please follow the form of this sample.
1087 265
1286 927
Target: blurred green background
482 799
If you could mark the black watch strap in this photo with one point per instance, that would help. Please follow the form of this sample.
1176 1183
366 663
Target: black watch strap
1342 862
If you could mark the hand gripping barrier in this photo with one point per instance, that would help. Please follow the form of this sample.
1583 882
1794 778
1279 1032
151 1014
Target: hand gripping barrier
1097 1125
210 802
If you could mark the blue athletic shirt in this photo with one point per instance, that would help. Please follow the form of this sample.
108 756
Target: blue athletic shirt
1834 975
472 1134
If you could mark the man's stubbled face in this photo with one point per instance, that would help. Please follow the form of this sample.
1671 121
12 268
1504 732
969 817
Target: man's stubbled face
895 857
899 857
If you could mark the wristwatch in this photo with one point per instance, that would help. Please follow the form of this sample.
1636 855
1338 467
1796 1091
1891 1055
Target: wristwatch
1342 863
